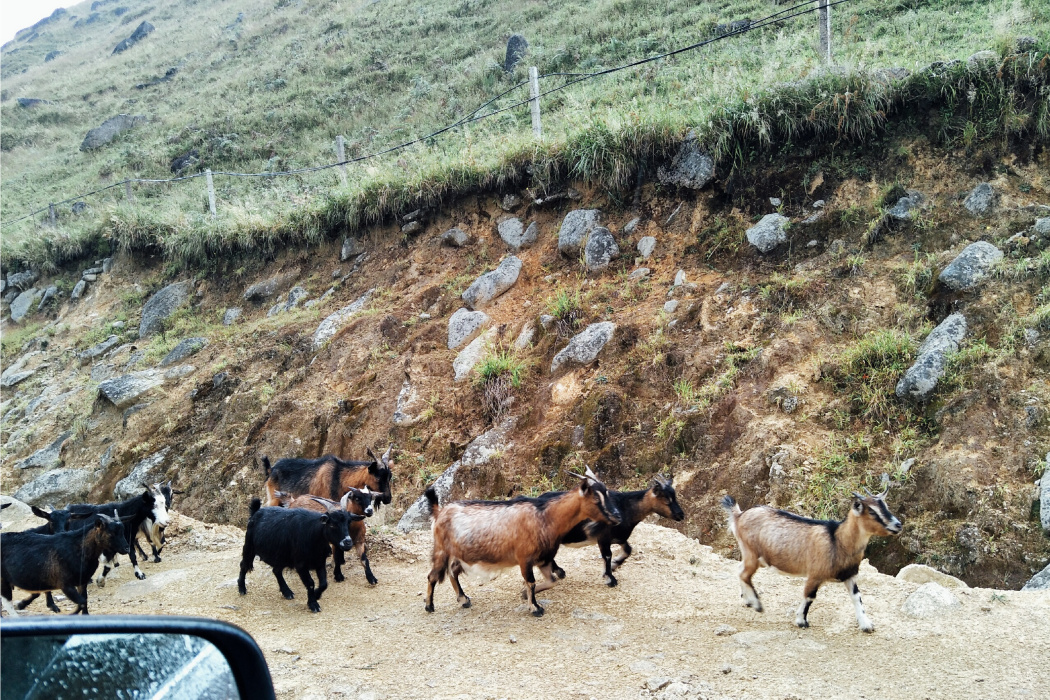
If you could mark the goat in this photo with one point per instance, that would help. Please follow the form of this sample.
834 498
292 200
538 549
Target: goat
328 476
294 538
57 521
819 550
358 501
634 506
65 561
132 512
488 536
150 529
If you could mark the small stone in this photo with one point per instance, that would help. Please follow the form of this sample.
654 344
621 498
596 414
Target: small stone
352 247
1039 582
674 214
931 600
462 325
657 683
982 200
904 209
775 201
231 315
492 284
515 235
646 246
971 266
640 274
510 202
819 204
631 225
727 669
813 244
691 166
725 630
512 639
22 304
107 265
600 250
337 273
768 233
575 229
162 305
185 348
679 278
471 355
455 238
585 346
411 228
920 573
671 306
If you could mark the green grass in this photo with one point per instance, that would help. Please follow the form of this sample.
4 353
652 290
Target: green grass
273 91
502 363
868 371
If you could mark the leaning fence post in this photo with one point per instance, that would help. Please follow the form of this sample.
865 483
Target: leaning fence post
127 190
534 100
211 191
51 213
824 20
339 154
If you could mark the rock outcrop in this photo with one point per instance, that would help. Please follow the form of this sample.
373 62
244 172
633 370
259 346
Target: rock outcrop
584 346
162 305
921 378
492 284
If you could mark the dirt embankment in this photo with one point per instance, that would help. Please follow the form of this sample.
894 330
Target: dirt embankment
674 628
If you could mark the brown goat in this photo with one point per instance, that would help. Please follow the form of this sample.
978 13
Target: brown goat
489 536
328 477
357 501
819 550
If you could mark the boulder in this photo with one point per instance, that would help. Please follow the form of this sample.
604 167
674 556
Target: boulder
455 238
982 60
646 246
471 355
334 322
49 294
10 379
150 470
109 130
178 372
463 324
906 206
671 306
268 287
122 391
921 378
526 336
231 315
186 160
1044 497
22 280
601 248
691 167
58 486
96 350
982 200
509 202
920 573
768 233
482 450
515 235
492 284
185 348
78 290
22 304
162 305
51 56
575 229
517 46
295 295
1039 582
407 400
49 457
931 600
584 346
140 33
971 266
631 226
352 247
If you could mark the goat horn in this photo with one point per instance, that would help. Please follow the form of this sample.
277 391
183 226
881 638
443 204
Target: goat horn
590 474
386 455
885 485
345 499
578 476
324 502
858 495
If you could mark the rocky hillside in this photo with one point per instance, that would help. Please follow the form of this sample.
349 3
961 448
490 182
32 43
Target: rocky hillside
786 332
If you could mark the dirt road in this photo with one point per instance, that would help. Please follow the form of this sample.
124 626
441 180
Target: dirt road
673 628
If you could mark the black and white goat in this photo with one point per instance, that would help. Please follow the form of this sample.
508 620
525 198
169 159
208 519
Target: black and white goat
819 550
150 528
132 512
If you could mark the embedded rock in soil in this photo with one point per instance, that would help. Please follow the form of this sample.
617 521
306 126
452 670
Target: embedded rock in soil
78 290
931 600
631 225
971 266
515 235
162 305
768 233
267 288
150 470
904 209
96 350
517 45
109 130
479 452
231 315
407 398
585 346
140 33
1039 582
921 378
525 337
471 355
331 325
21 305
122 391
48 457
575 229
920 573
1044 497
455 238
463 324
185 348
22 280
690 167
981 200
57 487
646 246
351 249
601 248
49 294
492 284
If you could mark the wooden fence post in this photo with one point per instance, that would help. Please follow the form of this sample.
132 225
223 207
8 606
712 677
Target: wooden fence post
824 20
211 191
51 213
339 154
127 190
534 101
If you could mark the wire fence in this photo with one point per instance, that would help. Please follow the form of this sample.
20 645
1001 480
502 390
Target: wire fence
792 12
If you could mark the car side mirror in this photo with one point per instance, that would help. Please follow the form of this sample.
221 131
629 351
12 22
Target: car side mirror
131 656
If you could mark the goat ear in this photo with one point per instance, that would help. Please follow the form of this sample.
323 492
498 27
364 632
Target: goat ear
324 517
585 485
858 503
40 512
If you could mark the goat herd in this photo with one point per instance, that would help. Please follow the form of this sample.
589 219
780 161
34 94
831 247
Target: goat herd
317 507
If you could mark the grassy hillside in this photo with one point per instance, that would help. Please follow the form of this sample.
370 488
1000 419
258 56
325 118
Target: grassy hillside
268 86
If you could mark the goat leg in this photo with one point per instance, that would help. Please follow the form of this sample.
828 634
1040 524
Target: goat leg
278 573
605 547
812 585
337 563
369 576
453 576
618 561
530 583
311 592
51 602
858 605
437 573
77 596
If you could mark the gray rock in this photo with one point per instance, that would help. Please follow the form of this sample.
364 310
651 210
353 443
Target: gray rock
982 59
107 456
575 229
930 600
49 294
107 265
691 167
150 470
671 306
455 238
1039 582
58 486
22 304
462 325
10 379
1044 497
515 235
1024 44
510 202
412 227
646 246
140 33
526 336
471 355
585 346
102 371
631 225
601 248
492 284
775 201
921 378
547 321
640 274
352 247
109 130
982 200
674 214
334 322
768 233
517 46
482 450
91 271
122 391
295 295
407 398
48 457
22 280
679 278
162 305
231 315
971 266
88 277
185 348
920 573
185 160
906 206
96 350
268 287
78 290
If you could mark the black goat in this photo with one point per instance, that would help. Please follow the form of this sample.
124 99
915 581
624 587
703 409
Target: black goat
150 528
635 506
132 512
57 521
295 538
328 477
65 561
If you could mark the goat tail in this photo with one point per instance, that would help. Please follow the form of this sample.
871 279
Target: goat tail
265 465
254 507
432 500
732 511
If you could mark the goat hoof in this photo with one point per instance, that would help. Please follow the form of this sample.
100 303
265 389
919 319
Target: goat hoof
242 590
538 612
156 560
315 608
467 604
140 576
339 577
868 630
288 595
802 625
429 608
611 581
54 608
373 581
101 582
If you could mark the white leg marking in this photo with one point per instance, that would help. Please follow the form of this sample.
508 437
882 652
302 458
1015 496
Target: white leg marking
862 620
138 573
101 579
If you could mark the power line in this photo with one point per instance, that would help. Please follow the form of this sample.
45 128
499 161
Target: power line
781 16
